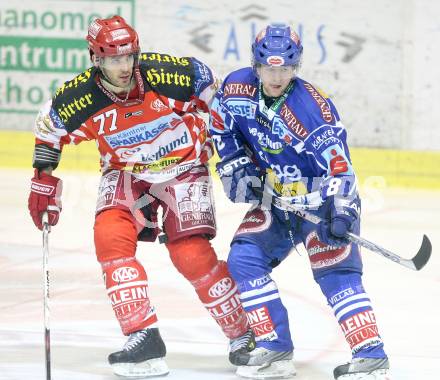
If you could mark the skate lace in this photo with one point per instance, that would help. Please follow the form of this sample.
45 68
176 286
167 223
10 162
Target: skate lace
135 339
240 342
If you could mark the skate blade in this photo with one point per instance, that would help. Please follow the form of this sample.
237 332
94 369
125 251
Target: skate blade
149 368
378 374
282 369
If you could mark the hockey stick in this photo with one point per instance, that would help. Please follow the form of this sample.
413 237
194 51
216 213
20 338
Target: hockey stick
46 230
416 263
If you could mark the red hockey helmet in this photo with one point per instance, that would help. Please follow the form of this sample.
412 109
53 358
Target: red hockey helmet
111 37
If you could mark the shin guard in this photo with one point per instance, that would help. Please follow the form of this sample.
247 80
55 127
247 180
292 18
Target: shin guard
219 294
127 288
266 313
352 308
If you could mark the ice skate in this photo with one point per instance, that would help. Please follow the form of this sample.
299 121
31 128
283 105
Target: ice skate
262 363
142 356
240 347
363 369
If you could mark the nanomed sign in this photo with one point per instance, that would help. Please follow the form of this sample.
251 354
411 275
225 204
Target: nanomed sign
44 42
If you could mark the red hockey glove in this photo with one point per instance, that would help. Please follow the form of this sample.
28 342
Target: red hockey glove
45 196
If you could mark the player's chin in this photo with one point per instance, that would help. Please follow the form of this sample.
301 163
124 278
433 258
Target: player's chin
275 91
123 82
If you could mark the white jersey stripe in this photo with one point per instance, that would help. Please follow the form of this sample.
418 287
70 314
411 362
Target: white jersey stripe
261 300
265 289
352 307
349 299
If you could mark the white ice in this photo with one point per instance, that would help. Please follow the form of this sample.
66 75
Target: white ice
84 330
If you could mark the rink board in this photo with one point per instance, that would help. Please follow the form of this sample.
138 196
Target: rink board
381 167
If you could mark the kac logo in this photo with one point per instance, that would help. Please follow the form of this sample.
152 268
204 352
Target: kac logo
158 106
125 274
220 288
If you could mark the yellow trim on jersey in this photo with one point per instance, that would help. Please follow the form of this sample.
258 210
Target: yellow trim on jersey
285 190
321 92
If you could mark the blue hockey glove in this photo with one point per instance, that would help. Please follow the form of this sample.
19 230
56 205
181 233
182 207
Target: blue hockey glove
344 213
241 178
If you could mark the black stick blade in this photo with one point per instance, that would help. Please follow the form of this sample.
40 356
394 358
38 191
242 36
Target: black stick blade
424 253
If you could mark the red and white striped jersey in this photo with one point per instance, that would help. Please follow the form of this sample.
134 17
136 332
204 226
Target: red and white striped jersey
156 138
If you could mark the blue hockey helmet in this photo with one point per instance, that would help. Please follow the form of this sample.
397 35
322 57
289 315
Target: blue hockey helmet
277 45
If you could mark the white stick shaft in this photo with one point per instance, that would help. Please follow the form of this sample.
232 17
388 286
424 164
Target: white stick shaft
46 230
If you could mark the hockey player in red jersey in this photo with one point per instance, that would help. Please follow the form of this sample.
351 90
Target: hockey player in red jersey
142 110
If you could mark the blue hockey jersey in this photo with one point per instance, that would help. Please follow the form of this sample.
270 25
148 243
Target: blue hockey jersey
298 141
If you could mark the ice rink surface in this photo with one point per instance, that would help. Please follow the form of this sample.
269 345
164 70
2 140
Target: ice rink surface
84 330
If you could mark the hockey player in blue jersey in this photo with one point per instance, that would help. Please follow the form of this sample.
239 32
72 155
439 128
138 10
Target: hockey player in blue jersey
282 145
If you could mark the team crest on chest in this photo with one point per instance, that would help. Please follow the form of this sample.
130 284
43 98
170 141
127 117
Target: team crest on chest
157 105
